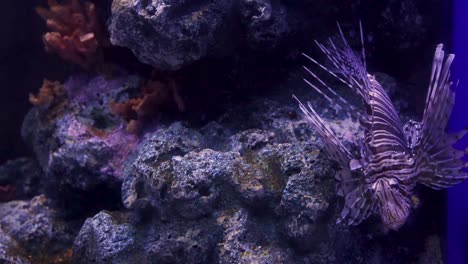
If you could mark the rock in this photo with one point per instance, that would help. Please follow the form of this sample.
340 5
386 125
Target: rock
36 132
79 144
113 238
251 139
253 185
84 114
171 34
6 254
20 179
265 22
198 179
90 96
83 159
173 171
183 242
305 207
277 122
34 229
147 173
106 238
247 241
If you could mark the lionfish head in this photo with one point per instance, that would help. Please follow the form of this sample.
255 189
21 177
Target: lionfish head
393 201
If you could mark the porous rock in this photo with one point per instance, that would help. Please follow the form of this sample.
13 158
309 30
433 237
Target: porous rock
112 237
171 34
79 144
149 166
106 238
24 176
34 229
249 241
265 21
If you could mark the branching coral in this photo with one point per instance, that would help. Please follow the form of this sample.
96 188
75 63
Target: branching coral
154 95
49 94
75 33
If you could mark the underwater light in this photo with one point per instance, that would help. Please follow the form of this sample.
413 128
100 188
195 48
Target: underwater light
457 208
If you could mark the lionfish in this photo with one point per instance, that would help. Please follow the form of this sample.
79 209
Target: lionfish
390 158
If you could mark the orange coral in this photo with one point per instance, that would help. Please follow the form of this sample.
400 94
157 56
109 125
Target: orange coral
153 96
75 33
49 94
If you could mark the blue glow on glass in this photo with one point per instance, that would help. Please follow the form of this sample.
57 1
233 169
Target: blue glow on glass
457 208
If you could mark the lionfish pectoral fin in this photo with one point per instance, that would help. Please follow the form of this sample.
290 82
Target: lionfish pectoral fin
440 164
444 168
439 100
346 182
357 207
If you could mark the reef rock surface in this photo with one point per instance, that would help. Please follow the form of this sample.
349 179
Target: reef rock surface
251 186
172 34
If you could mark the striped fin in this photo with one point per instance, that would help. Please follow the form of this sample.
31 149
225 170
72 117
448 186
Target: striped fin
444 178
349 66
441 165
439 100
331 142
385 131
381 121
346 183
332 97
358 202
358 206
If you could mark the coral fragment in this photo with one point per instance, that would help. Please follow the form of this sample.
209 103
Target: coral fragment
50 93
75 33
154 96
